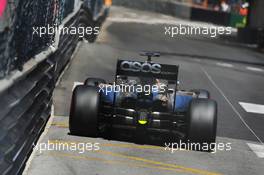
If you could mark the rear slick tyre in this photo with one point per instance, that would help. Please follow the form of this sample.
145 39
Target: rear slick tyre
202 123
84 111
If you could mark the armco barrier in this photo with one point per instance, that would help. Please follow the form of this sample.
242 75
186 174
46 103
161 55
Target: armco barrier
219 18
5 53
26 98
169 7
26 105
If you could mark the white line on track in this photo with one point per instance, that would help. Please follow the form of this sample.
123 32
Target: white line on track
159 21
150 21
257 149
225 65
256 69
196 59
76 84
252 108
232 106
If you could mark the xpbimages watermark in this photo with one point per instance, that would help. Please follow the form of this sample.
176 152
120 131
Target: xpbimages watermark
56 145
212 147
51 30
211 31
126 88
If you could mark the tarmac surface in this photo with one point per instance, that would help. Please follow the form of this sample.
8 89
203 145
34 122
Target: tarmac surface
236 86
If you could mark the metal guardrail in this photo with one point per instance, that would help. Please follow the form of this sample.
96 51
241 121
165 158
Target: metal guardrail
260 38
5 53
26 105
37 13
18 37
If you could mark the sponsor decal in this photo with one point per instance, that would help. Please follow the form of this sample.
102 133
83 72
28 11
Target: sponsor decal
141 67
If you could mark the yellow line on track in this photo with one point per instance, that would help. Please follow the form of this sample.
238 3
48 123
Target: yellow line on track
133 146
115 162
134 158
113 145
182 168
60 124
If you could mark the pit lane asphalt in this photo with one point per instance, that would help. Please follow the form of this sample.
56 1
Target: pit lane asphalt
228 85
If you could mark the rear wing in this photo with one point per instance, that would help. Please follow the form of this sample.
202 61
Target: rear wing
147 69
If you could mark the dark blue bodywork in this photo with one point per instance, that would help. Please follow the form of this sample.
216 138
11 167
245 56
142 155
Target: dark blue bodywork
95 7
181 102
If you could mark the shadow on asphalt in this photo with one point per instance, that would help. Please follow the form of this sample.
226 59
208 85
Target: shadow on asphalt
137 137
159 140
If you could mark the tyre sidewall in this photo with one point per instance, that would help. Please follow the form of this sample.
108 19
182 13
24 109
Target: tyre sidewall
202 122
84 111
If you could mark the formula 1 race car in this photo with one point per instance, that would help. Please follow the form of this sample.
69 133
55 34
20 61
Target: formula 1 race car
144 98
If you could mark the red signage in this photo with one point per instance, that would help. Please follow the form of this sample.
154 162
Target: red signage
2 7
